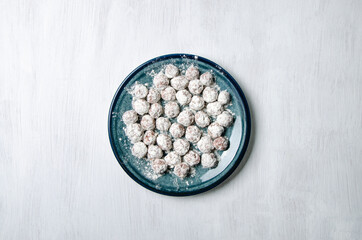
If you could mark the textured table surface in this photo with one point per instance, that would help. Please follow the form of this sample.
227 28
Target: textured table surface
299 64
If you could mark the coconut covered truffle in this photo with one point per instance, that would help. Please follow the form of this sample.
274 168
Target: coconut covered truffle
177 130
192 73
193 134
186 118
159 166
172 109
149 138
139 150
172 158
206 79
224 97
208 160
179 83
153 96
183 97
139 91
154 152
156 110
141 106
195 87
160 81
134 132
215 130
181 146
205 144
164 142
225 119
214 108
147 122
171 71
130 117
192 158
210 94
163 124
181 170
168 94
221 143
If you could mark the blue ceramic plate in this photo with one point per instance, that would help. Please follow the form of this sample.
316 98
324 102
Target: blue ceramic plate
202 179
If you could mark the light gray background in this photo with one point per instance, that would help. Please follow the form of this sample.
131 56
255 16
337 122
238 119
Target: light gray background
299 64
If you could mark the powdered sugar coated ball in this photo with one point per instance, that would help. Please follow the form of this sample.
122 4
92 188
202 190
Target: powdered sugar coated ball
134 132
139 91
168 94
197 103
214 108
221 143
209 94
193 134
208 160
225 119
177 130
186 118
154 152
156 110
195 86
160 81
172 109
141 106
147 122
205 144
153 96
130 117
163 124
192 73
215 130
181 170
149 137
181 146
139 150
179 83
159 166
224 97
172 159
183 97
202 119
171 71
206 78
164 142
192 158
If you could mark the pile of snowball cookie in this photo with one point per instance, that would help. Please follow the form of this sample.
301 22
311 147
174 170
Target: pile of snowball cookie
194 105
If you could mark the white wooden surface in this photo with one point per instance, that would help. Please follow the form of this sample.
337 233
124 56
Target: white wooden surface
299 64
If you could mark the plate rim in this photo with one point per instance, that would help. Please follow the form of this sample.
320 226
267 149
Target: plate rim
238 89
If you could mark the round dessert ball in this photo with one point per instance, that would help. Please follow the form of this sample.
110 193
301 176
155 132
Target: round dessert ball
164 142
206 79
159 166
172 109
209 94
197 103
171 71
161 81
192 73
215 130
205 144
225 119
179 83
192 158
163 124
139 150
193 134
172 159
147 122
139 91
224 97
183 97
208 160
154 152
195 86
168 94
149 138
181 170
156 110
181 146
202 119
153 96
134 132
221 143
177 130
141 106
186 118
214 108
130 117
